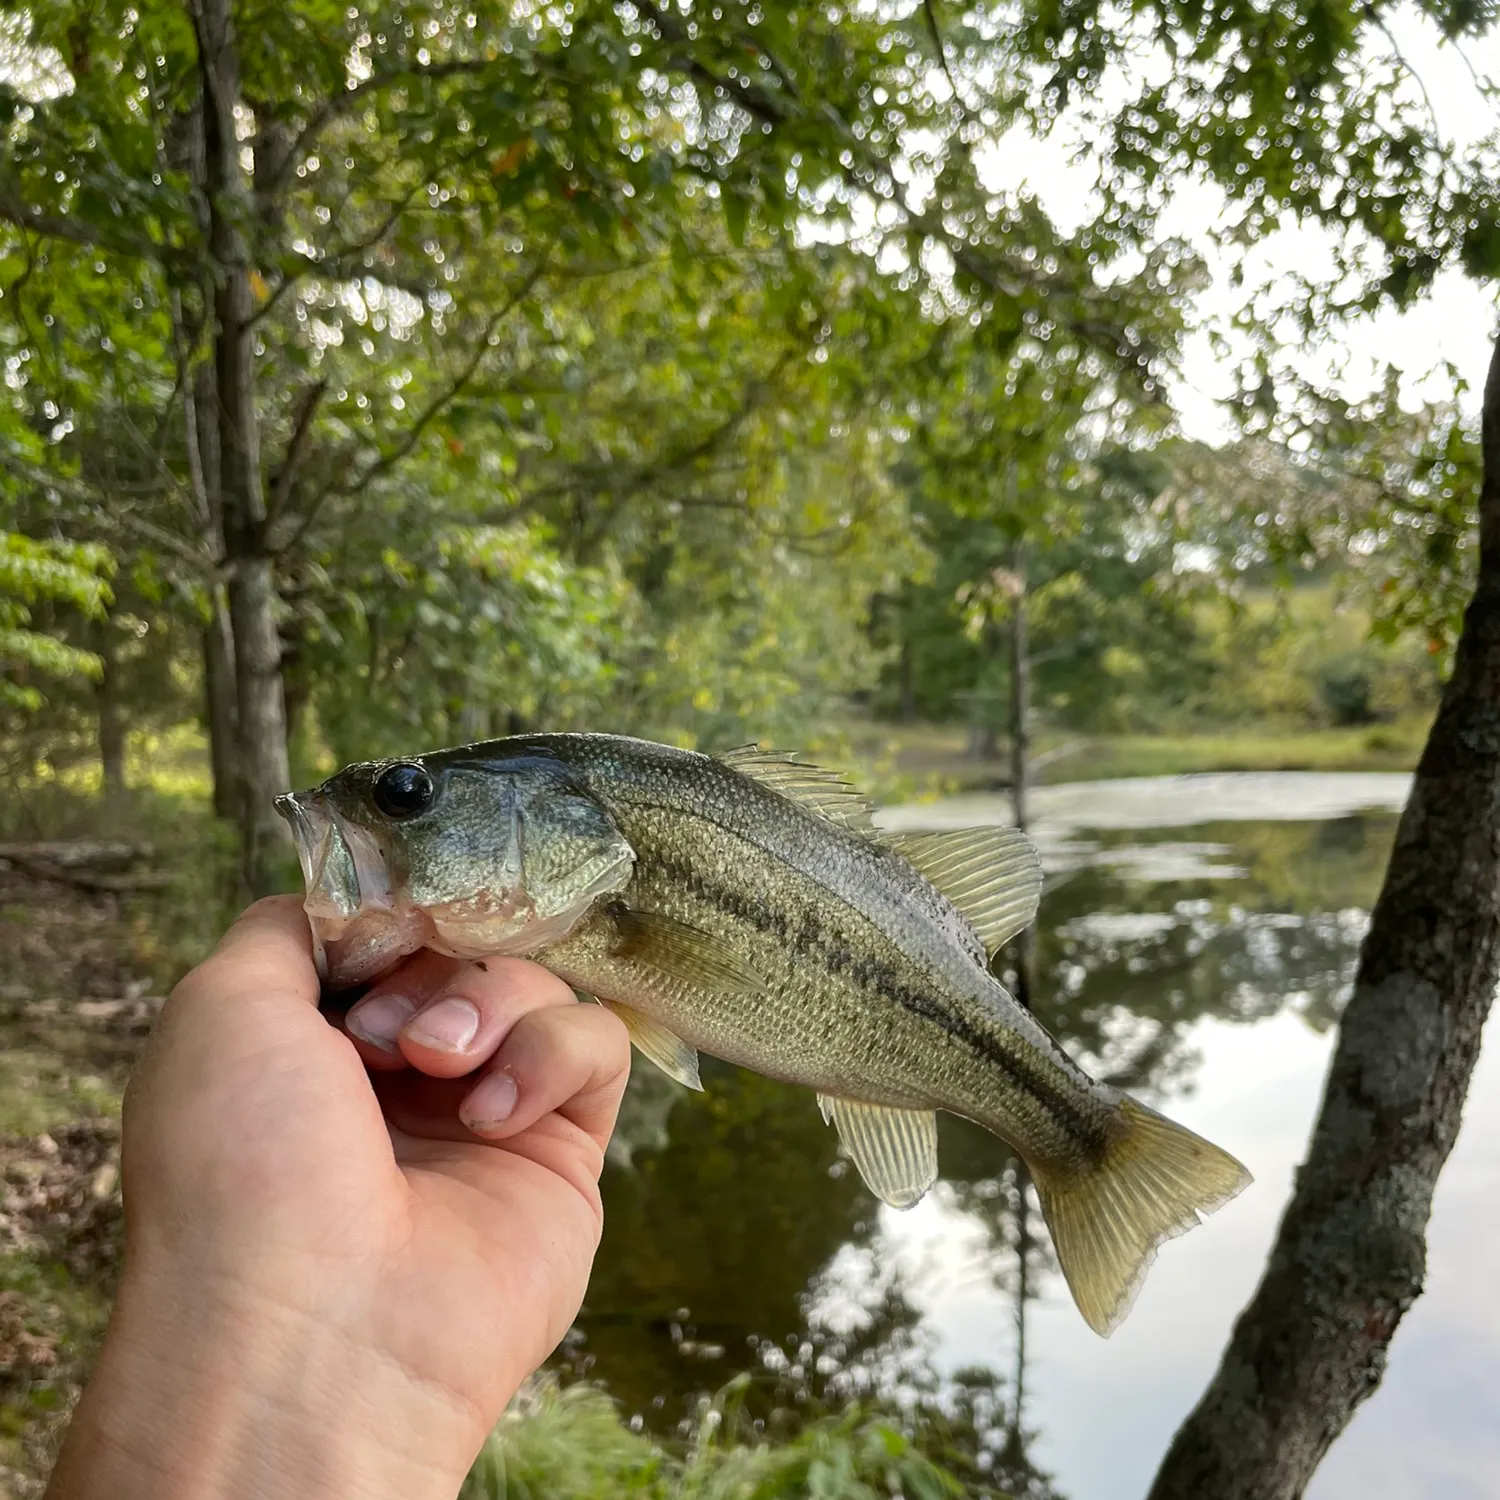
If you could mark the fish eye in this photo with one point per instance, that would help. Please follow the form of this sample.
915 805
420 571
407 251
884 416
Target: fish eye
402 791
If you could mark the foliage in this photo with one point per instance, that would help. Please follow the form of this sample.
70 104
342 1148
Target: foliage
1408 517
571 1444
34 573
1312 112
1383 497
578 280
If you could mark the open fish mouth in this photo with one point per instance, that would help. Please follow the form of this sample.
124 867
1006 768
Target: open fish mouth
329 871
359 930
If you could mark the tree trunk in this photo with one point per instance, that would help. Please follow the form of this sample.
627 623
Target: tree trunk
221 709
262 766
111 713
1020 767
200 407
1020 709
264 772
1015 1440
906 708
984 740
1350 1254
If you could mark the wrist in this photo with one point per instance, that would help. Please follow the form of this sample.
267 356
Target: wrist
205 1397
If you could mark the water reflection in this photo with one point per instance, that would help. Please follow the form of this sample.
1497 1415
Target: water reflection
737 1240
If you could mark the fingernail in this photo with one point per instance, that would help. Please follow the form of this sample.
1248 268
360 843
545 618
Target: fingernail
450 1024
490 1105
379 1019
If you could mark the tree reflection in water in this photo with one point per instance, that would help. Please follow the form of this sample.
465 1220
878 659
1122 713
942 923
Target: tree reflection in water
736 1238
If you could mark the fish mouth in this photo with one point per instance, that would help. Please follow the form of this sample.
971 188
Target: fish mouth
357 931
329 871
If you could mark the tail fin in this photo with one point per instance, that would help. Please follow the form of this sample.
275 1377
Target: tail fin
1107 1220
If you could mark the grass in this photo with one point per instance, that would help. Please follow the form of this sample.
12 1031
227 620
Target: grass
573 1444
39 1091
1381 747
50 1325
920 762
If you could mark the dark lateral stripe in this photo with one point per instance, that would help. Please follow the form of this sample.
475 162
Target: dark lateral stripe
871 972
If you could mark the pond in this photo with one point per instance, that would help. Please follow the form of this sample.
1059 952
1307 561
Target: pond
1197 938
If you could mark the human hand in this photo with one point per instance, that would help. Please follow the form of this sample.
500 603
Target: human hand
333 1285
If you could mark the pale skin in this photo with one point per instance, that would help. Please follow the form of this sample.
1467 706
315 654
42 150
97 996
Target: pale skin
345 1246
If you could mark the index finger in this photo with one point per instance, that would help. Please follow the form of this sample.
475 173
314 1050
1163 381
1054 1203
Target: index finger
269 947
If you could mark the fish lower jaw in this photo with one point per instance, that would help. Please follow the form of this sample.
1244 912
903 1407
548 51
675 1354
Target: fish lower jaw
354 950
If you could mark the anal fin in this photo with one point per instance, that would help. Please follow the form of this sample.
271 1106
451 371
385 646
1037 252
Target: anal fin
664 1047
894 1149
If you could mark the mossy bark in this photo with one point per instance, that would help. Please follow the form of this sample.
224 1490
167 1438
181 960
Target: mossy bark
1350 1255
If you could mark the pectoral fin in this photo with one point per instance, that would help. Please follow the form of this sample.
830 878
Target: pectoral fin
665 1048
992 875
894 1149
682 952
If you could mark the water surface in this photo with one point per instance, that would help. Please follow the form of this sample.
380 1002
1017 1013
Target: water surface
1197 938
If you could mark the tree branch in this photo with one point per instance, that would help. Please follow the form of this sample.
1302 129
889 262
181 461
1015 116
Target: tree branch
110 517
1415 76
615 479
455 386
30 217
929 9
388 460
296 450
335 263
986 267
751 98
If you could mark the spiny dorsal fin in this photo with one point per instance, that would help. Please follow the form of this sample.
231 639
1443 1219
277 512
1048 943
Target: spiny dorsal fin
820 791
665 1048
992 875
682 952
894 1149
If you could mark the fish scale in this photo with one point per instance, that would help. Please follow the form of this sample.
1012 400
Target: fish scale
744 906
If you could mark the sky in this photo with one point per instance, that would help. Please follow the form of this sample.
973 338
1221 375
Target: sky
1455 324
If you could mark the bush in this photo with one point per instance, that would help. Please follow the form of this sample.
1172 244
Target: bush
1346 687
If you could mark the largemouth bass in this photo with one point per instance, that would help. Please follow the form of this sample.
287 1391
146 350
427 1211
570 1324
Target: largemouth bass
745 906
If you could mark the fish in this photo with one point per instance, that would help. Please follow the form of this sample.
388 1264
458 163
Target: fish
745 905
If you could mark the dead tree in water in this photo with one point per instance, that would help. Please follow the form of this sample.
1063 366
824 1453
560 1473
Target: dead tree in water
1020 755
1350 1255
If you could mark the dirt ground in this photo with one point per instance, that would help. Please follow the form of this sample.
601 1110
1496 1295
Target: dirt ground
79 988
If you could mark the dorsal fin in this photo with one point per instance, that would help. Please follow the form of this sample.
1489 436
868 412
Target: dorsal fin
820 791
992 875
